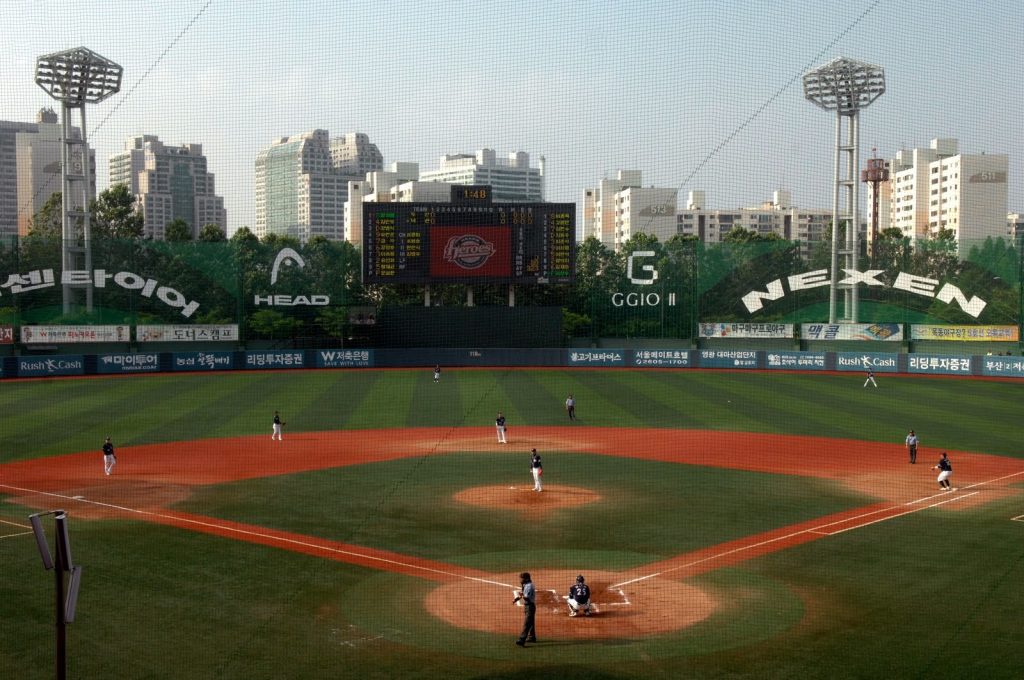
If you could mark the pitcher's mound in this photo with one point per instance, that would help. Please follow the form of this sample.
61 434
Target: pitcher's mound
524 498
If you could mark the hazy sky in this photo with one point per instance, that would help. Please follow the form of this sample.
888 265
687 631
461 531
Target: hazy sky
701 94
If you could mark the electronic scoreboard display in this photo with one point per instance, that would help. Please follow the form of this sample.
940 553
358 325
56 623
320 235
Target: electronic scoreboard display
469 241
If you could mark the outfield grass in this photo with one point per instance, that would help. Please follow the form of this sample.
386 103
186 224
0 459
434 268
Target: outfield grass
930 594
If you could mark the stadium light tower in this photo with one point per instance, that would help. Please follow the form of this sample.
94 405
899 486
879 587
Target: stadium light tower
75 78
845 86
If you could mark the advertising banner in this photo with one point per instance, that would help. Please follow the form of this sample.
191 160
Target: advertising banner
6 335
1004 366
938 363
203 361
879 362
746 330
717 358
597 357
344 358
39 367
798 361
964 333
47 335
127 363
892 332
676 358
187 333
470 252
275 359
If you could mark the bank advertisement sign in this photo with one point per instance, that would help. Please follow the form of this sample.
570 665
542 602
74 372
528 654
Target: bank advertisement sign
675 358
45 335
39 367
879 362
964 333
746 330
890 332
344 358
938 363
797 361
718 358
127 363
188 333
203 361
275 359
597 357
1012 367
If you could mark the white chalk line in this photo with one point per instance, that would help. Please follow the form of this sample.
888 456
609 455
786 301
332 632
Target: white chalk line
817 529
247 532
23 533
1018 518
15 524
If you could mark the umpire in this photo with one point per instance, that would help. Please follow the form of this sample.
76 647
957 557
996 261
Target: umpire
528 595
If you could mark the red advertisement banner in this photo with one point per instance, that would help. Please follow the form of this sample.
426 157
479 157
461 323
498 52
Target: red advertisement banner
470 252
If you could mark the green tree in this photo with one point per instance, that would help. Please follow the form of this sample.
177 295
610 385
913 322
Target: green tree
49 221
177 231
114 214
212 233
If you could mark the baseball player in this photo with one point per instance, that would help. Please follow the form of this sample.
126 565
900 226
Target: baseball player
437 373
109 459
538 471
871 377
945 469
277 427
499 425
912 447
528 596
579 597
570 407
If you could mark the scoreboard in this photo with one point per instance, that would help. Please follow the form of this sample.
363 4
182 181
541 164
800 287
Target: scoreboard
469 241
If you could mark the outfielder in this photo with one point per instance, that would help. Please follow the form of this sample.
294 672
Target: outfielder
538 471
499 425
579 597
277 427
945 469
871 377
109 459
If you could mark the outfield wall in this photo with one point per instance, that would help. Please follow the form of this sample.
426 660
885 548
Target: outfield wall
122 363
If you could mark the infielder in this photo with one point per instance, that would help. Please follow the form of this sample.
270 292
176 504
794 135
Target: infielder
538 471
277 427
579 597
499 425
945 469
109 459
912 447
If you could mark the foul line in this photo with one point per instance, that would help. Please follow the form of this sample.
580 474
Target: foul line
23 533
817 530
1018 518
14 524
246 532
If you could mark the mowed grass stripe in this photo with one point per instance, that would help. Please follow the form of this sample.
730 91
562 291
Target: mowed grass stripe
386 404
594 407
480 396
434 403
335 398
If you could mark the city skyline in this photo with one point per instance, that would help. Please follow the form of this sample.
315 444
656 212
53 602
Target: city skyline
697 96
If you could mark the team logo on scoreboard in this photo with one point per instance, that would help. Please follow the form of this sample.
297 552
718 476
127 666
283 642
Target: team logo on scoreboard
468 251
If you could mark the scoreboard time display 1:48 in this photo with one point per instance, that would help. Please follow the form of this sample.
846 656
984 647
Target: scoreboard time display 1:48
521 243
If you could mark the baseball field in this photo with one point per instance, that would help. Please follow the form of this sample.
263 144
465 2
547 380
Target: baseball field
730 524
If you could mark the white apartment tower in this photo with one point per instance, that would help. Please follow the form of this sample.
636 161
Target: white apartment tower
302 183
400 183
169 183
617 209
30 158
511 179
938 188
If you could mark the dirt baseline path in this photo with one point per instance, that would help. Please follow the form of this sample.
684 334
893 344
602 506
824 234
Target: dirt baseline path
647 600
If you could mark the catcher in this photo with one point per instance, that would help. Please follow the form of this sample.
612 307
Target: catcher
579 597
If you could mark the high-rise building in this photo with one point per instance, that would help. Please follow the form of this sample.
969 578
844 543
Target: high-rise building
938 188
169 183
511 179
618 209
778 216
30 160
302 183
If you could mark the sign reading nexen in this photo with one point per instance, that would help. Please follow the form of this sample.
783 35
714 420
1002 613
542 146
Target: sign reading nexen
37 367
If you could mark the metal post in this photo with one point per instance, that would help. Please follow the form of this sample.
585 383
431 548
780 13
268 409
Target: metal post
834 267
854 228
61 655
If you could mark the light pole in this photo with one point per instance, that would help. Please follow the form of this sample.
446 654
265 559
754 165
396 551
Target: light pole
75 78
65 600
845 86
